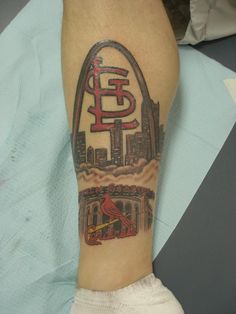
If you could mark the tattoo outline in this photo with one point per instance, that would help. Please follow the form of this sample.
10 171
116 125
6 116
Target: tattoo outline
142 147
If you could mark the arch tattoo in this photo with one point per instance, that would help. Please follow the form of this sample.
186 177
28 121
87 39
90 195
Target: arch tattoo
117 140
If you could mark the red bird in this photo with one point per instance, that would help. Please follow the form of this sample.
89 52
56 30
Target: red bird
109 208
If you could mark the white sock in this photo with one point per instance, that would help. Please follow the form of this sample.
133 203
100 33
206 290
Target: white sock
145 296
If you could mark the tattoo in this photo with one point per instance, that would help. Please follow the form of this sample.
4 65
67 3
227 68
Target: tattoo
110 208
116 211
97 91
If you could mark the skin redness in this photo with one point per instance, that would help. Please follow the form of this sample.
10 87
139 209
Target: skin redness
118 170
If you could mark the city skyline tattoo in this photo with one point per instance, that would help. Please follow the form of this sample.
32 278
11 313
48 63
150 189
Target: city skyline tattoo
110 208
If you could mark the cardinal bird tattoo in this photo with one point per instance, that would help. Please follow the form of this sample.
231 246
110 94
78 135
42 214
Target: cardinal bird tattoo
109 208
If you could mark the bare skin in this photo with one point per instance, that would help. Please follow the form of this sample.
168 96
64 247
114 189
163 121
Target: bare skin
116 159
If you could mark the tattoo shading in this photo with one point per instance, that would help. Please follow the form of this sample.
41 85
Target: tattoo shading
109 208
116 211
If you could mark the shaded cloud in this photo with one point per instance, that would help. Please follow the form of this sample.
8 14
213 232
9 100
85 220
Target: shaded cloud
141 172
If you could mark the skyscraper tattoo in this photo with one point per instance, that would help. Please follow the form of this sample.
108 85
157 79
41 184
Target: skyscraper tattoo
106 101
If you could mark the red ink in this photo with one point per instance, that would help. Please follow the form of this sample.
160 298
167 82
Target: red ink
98 92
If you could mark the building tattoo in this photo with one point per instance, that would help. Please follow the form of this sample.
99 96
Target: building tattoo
90 155
81 150
117 143
114 211
100 157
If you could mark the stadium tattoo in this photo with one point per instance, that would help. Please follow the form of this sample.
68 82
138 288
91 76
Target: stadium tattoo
106 101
